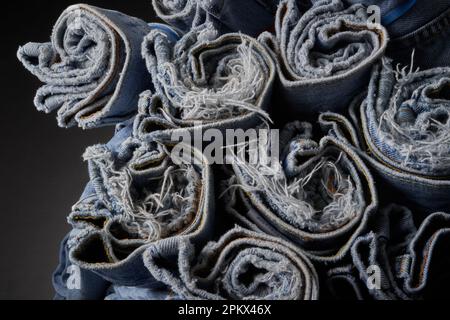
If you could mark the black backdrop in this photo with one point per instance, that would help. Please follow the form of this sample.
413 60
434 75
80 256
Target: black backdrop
41 170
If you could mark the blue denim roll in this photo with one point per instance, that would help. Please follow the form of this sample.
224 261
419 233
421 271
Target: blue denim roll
324 55
400 130
92 68
410 260
137 195
241 265
320 196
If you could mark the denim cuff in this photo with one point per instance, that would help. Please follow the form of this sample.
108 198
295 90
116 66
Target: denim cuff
242 265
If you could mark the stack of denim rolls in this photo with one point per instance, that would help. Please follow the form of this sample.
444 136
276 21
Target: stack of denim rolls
357 203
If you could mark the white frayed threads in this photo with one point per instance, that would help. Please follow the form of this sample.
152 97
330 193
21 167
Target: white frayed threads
415 128
322 200
232 90
165 209
164 213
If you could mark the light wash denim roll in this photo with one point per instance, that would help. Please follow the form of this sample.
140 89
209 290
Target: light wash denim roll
241 265
324 55
320 196
208 81
138 194
92 68
250 17
150 198
401 131
416 25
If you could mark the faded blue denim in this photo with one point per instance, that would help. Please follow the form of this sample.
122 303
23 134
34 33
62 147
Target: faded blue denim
111 231
205 81
330 197
324 56
419 25
241 265
92 68
400 131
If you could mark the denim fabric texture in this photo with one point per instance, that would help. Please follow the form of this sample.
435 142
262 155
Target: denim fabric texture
324 55
92 68
226 16
242 265
355 203
319 197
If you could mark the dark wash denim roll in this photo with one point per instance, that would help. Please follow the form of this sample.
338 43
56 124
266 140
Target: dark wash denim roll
92 68
430 42
320 197
250 16
208 81
242 265
384 246
419 25
428 260
400 130
324 55
413 262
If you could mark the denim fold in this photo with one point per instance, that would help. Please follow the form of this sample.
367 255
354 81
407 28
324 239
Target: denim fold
92 69
226 16
324 55
410 261
241 265
400 129
319 196
206 81
138 193
428 261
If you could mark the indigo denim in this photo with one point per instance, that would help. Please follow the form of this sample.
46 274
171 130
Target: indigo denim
150 199
227 16
320 197
428 261
242 265
385 246
412 261
92 68
324 55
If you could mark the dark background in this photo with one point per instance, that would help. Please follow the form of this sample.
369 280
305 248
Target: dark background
41 170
